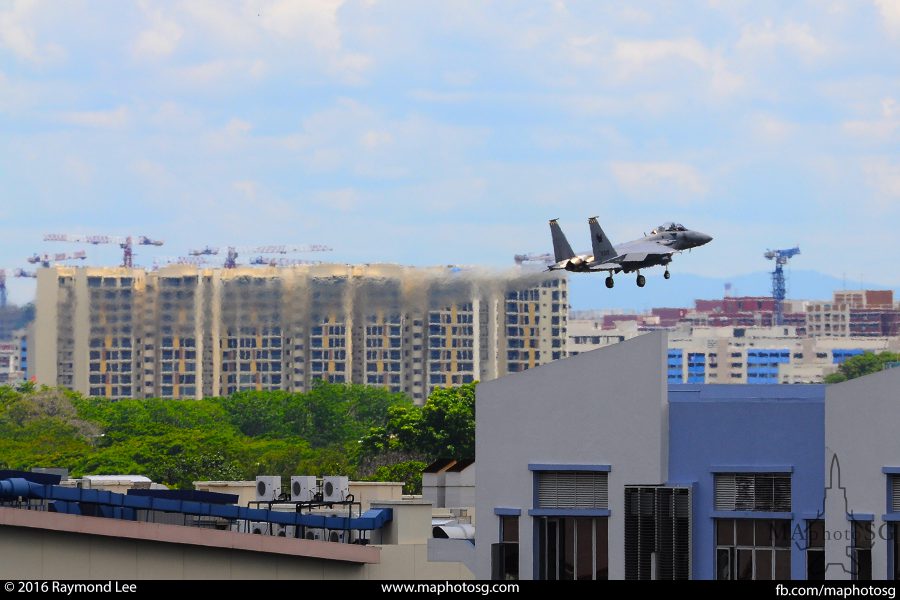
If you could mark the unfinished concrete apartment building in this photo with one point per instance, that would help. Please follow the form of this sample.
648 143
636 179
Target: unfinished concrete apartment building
189 332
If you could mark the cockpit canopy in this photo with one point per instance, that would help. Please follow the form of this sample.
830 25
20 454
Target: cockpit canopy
667 227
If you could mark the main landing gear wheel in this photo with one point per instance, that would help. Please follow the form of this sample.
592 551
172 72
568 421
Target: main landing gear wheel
610 282
641 281
667 274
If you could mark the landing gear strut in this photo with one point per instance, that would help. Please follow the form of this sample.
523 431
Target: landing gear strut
667 274
610 282
641 281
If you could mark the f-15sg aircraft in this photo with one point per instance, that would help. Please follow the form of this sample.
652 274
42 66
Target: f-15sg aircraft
649 251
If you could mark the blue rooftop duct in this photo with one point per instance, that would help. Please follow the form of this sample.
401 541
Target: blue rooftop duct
100 503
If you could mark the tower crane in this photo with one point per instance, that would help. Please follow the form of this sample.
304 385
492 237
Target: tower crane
781 258
280 262
45 259
125 243
232 252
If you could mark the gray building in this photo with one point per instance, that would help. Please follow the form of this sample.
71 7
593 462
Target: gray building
589 426
862 485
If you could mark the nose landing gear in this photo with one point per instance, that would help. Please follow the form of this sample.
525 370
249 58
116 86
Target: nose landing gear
610 282
641 280
667 274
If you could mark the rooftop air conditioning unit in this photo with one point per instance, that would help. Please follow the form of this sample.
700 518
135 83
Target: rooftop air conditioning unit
303 488
261 528
338 536
335 488
268 487
284 531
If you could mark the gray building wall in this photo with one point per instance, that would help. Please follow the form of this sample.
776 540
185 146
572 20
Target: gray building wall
605 407
861 429
460 490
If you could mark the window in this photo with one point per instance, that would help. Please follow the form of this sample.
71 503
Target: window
895 492
863 539
753 549
571 489
573 548
505 555
815 550
767 492
657 522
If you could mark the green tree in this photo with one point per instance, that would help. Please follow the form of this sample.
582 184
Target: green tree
443 428
448 423
409 472
862 364
176 442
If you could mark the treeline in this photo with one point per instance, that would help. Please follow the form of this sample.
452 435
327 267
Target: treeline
863 364
337 429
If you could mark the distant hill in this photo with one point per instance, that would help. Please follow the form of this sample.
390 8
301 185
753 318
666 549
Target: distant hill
589 292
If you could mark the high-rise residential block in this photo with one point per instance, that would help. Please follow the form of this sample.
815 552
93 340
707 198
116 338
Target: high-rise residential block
188 332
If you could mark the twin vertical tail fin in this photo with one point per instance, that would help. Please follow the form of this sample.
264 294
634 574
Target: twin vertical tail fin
561 248
602 247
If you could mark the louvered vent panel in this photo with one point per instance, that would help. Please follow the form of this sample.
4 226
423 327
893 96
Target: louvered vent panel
895 493
724 491
565 489
761 492
782 494
657 520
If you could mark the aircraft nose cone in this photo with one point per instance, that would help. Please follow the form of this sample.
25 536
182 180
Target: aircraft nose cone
702 238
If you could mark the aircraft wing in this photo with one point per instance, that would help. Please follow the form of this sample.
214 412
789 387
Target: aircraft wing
633 252
639 250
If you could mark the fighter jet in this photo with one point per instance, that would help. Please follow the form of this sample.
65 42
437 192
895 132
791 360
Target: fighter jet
649 251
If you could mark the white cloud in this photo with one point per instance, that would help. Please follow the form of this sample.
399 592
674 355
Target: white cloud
890 13
115 118
882 128
231 137
677 181
766 37
238 127
636 56
884 177
220 71
372 139
304 32
312 21
771 128
237 25
160 39
17 33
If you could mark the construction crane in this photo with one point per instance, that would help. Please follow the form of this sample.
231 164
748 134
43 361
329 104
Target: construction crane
196 261
46 259
125 243
544 258
232 252
781 257
280 262
14 273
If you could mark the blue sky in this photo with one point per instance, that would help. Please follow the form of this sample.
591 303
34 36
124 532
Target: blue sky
449 132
